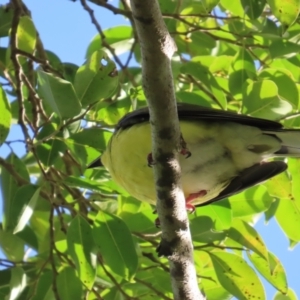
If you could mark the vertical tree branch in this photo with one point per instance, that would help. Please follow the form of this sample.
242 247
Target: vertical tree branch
157 48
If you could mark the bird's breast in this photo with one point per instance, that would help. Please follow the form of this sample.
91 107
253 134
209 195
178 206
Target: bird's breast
219 151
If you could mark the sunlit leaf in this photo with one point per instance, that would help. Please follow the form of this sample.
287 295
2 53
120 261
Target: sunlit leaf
285 11
5 116
246 235
22 206
26 35
17 283
291 295
80 247
290 224
97 79
271 269
261 99
236 276
252 201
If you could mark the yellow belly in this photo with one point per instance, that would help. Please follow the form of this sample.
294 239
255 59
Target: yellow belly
219 153
126 160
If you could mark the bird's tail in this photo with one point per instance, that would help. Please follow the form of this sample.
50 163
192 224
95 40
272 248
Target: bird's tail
290 142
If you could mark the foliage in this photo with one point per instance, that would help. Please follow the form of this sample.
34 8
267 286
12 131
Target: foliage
71 233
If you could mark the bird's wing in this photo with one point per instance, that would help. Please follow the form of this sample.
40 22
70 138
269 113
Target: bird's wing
195 112
250 177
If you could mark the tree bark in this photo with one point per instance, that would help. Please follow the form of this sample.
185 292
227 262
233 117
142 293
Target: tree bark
157 48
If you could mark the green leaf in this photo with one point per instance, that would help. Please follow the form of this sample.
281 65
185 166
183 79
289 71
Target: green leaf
115 244
211 286
112 113
291 295
242 68
251 201
285 11
69 71
49 151
9 185
234 7
203 230
120 38
293 167
207 79
247 236
253 8
290 224
22 207
59 94
80 247
44 286
282 47
286 85
137 215
85 183
68 285
236 276
26 35
219 212
6 15
5 116
17 283
96 80
279 186
271 269
261 99
93 137
11 245
84 155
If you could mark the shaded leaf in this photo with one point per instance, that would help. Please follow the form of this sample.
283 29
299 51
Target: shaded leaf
242 68
116 245
6 14
203 230
9 185
68 285
59 95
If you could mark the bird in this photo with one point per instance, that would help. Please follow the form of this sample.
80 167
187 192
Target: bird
227 153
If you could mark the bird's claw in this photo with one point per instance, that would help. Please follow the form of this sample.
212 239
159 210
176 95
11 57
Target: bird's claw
150 160
184 150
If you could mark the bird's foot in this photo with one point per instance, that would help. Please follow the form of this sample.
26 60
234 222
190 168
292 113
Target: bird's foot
184 150
190 207
150 160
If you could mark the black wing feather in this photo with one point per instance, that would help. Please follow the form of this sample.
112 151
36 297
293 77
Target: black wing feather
250 177
195 112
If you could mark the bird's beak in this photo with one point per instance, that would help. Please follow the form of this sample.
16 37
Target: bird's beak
95 164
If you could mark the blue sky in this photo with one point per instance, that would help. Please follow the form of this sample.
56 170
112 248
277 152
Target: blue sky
66 29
